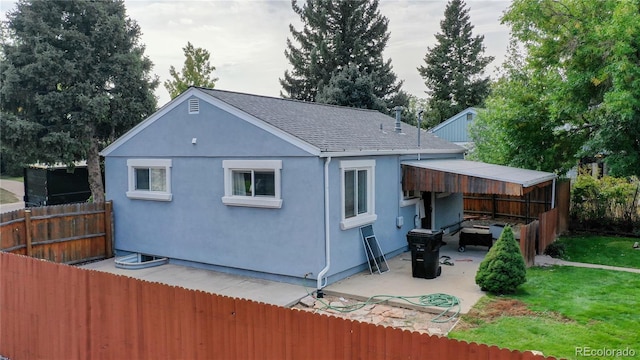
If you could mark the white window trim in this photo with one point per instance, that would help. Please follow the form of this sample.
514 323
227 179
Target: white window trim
370 216
252 201
133 164
408 202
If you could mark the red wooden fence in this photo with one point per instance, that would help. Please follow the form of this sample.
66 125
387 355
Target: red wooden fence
54 311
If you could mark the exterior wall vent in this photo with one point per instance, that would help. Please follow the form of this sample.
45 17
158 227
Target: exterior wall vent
194 106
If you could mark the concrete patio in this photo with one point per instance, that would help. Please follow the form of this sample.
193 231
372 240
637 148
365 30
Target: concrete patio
457 280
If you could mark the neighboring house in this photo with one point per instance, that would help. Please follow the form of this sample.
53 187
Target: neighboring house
273 188
456 128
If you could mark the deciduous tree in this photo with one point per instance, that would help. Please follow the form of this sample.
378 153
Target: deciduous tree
196 71
74 78
577 91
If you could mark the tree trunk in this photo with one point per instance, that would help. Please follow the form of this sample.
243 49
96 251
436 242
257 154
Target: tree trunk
95 175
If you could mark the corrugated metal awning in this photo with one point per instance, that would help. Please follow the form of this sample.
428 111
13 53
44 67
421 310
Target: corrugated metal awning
463 176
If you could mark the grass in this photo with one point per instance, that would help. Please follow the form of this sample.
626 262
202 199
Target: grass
7 197
558 310
614 251
14 178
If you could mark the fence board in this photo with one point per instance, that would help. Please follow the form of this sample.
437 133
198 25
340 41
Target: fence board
548 229
77 314
528 234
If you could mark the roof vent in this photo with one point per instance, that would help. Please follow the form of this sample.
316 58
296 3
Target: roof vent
398 110
194 106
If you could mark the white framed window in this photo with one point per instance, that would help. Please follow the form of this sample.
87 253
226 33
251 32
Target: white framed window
149 179
358 193
253 183
409 197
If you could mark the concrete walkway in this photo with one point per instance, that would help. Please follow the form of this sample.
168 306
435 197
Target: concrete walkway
546 260
17 188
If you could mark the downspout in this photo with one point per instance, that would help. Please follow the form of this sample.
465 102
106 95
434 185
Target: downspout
553 194
419 130
327 239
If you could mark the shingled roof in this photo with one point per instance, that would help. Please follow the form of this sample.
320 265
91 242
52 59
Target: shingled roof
334 128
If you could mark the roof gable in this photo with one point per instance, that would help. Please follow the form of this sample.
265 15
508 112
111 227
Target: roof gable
315 128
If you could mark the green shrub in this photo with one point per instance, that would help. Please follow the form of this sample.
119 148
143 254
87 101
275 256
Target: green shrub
503 269
556 250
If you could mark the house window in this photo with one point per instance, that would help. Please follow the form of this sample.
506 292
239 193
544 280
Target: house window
253 183
194 106
149 179
469 116
409 197
358 203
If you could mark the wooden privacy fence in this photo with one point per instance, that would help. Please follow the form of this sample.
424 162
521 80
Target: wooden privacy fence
63 233
537 235
58 311
528 206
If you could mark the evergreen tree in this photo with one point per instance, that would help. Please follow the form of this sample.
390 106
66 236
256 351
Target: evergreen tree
73 79
340 38
503 269
195 72
454 67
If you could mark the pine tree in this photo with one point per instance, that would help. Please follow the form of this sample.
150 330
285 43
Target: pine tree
196 71
454 67
73 78
340 38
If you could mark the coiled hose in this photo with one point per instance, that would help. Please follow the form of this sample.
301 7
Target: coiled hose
450 303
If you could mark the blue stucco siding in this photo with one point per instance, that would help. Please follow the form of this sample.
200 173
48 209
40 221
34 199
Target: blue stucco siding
196 226
347 251
449 211
217 133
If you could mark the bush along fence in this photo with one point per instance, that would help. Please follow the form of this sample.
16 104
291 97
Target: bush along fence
57 311
606 204
69 233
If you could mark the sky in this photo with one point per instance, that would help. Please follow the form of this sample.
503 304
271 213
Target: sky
247 38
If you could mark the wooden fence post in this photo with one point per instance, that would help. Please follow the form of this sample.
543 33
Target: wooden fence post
27 226
108 234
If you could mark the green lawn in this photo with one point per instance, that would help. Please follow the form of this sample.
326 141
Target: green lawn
614 251
14 178
565 308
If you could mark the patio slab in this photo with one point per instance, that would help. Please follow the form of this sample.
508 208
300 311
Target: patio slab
457 280
268 292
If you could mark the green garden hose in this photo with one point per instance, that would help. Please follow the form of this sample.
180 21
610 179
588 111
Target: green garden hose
448 302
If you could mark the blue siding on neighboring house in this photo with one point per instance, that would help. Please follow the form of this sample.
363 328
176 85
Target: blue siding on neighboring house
456 128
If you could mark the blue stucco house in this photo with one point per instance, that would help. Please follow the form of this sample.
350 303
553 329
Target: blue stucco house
270 187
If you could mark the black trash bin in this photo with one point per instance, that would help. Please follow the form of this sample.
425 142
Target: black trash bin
425 252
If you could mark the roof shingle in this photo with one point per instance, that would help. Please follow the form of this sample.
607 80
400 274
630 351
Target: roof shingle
333 128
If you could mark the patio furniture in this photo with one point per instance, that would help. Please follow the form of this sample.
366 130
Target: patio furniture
475 236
